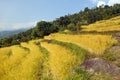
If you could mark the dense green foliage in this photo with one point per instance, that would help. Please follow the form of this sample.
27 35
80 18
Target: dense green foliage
71 22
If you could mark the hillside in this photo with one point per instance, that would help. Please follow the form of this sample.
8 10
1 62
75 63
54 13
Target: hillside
66 56
4 34
112 24
72 22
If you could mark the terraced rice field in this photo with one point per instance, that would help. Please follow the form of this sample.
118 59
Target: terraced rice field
28 61
93 43
61 61
104 25
45 59
23 64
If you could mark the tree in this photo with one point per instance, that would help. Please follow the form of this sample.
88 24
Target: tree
72 27
86 9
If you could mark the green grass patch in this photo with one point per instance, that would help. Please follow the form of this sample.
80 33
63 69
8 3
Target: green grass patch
79 74
46 72
44 51
109 56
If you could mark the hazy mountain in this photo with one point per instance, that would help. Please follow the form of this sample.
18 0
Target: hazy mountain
10 33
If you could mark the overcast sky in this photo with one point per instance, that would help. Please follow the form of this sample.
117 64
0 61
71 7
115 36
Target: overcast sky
16 14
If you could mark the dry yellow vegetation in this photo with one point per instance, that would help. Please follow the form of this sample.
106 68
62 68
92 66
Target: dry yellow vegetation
22 64
28 62
32 66
11 63
93 43
61 61
3 56
104 25
4 53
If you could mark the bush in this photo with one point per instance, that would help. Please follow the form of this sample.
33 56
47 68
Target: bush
109 56
72 27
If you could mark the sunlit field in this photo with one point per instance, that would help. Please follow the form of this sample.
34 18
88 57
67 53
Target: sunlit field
11 64
24 63
57 56
4 53
61 61
31 67
93 43
104 25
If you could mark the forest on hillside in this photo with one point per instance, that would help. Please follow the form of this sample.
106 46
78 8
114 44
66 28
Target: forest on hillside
70 22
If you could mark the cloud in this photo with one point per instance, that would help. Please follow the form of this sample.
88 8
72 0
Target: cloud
100 3
112 2
15 26
104 2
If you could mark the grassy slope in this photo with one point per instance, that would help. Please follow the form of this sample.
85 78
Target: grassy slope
112 24
93 43
49 59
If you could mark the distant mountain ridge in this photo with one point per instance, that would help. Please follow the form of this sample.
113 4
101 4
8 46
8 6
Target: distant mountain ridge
4 34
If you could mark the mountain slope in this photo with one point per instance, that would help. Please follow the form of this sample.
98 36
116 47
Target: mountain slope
10 33
72 22
65 56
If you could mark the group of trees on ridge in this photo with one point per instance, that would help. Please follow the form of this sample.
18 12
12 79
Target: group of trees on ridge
70 22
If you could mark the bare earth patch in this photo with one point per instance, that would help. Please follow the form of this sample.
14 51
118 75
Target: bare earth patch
97 65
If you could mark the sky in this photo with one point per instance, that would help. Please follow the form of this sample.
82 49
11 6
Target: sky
16 14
